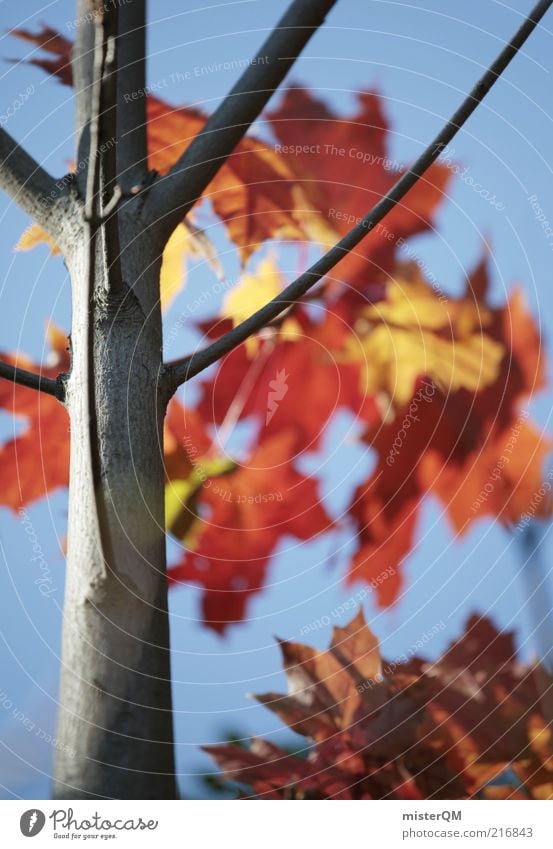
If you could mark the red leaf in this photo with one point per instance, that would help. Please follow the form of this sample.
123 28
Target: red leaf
36 461
248 512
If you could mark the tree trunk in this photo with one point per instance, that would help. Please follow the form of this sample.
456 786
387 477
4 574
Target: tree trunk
115 735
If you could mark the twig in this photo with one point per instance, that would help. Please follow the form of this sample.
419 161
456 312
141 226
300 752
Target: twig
132 163
48 385
173 195
82 61
183 370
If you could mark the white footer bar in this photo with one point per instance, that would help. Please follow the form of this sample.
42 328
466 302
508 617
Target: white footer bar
240 825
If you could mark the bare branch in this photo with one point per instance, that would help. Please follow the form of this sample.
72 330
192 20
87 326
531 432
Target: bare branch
101 184
173 195
31 380
132 164
82 61
183 370
29 185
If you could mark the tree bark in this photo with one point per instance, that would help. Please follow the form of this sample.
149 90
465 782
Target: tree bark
115 728
115 734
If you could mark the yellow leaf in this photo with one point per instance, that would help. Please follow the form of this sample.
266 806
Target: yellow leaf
252 293
33 236
185 241
180 494
413 303
416 331
173 265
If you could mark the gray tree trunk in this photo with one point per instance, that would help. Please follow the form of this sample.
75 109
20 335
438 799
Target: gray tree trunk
115 727
115 736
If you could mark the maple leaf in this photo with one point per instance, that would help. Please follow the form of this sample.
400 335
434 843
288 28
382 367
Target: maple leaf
412 333
34 235
186 242
307 405
53 42
344 169
401 730
36 461
473 448
244 514
254 193
253 292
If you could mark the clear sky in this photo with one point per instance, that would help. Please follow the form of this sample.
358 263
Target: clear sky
422 57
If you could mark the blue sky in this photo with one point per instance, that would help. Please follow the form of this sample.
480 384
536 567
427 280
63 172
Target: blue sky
422 60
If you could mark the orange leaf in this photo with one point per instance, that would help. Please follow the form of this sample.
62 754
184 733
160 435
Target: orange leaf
253 193
36 461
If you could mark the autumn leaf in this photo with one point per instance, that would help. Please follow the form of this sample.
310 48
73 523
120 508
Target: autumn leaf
414 333
35 461
253 292
344 167
34 235
474 448
51 41
451 729
245 513
254 193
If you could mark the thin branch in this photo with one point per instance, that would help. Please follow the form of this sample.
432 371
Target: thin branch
82 61
22 377
101 185
173 195
132 157
29 185
183 370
